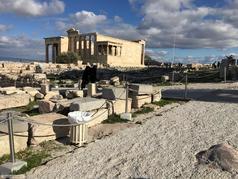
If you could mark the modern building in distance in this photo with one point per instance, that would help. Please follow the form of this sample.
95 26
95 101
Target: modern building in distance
97 48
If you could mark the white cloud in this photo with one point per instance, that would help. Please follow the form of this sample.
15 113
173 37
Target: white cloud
157 54
195 27
118 19
22 47
87 20
32 7
122 30
4 27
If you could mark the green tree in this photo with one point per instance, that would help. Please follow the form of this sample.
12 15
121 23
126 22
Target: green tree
148 60
68 57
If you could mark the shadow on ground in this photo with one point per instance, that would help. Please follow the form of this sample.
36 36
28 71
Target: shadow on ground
207 95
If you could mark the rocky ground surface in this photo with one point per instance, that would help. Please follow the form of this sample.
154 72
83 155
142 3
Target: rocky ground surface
164 146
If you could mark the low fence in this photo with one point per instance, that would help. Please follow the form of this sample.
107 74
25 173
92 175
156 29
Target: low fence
79 130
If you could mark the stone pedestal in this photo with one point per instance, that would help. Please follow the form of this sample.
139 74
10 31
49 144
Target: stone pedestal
78 134
92 90
9 167
126 116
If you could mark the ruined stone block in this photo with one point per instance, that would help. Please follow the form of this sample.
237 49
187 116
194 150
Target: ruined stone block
92 89
87 104
56 98
74 93
44 132
156 96
139 101
165 78
98 116
11 90
20 142
138 89
104 82
31 91
126 116
39 76
14 100
51 94
114 93
46 106
39 95
119 106
45 88
115 79
64 104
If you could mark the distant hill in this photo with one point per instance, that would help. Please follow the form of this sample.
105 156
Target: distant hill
149 61
14 59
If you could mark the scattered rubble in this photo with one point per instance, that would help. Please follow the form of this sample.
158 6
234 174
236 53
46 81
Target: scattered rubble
53 104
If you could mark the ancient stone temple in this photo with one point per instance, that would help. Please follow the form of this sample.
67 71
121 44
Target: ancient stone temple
97 48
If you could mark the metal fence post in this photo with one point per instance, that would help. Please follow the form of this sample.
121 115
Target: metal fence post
186 86
11 137
127 91
173 77
224 74
13 165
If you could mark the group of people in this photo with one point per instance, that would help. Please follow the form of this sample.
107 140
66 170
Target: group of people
216 64
89 76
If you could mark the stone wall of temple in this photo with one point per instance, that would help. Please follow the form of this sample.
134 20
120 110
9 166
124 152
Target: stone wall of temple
132 53
97 48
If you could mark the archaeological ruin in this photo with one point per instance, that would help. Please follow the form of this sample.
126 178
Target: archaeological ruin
97 48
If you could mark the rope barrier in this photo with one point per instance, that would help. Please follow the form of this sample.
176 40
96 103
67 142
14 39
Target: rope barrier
202 76
24 119
3 121
27 120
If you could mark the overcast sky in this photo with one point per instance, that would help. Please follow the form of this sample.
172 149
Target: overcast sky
203 30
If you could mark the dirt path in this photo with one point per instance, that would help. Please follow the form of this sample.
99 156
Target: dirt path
163 147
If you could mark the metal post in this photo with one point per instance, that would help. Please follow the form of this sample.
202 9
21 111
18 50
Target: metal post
11 137
224 74
186 86
173 77
127 89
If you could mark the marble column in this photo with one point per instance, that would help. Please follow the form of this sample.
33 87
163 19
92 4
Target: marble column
46 53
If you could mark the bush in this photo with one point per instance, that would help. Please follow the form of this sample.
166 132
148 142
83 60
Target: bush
164 102
68 57
143 110
114 119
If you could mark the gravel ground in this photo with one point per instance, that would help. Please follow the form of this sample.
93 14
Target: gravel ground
163 147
